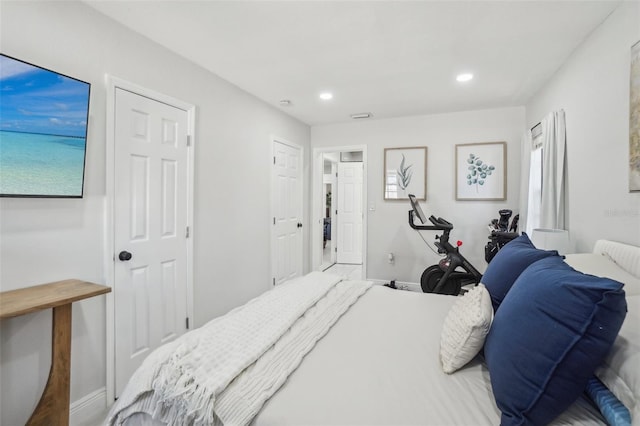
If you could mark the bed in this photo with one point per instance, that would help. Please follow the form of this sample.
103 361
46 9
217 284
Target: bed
374 359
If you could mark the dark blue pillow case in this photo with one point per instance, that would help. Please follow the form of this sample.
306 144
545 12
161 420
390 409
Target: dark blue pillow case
553 329
508 264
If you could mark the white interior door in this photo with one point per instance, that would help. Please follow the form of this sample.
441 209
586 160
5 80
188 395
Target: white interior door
330 192
349 217
150 225
334 198
287 212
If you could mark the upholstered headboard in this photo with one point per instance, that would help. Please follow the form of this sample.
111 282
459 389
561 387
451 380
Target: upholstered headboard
625 256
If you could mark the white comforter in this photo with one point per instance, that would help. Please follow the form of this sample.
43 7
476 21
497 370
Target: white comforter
189 381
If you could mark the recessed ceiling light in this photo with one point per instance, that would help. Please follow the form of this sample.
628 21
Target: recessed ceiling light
325 96
361 115
285 102
464 77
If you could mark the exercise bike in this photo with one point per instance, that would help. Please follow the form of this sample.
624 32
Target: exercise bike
444 277
501 233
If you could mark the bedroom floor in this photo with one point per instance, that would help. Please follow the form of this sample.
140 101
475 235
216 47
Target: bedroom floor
97 420
354 272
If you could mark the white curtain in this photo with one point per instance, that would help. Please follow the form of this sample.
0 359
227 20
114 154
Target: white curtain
542 200
553 161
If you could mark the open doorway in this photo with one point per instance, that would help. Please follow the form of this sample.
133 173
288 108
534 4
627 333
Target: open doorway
339 200
329 186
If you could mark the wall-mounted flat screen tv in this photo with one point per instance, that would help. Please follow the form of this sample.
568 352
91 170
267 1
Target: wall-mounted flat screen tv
43 131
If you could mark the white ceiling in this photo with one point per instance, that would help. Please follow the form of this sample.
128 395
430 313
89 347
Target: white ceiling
390 58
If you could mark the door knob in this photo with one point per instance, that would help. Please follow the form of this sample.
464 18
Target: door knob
299 225
124 255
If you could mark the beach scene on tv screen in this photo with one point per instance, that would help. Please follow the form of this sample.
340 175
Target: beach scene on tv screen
43 122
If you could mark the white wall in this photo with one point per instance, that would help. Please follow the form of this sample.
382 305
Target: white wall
388 230
593 89
44 240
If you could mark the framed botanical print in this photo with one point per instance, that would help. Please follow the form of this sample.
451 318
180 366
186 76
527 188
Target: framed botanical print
405 172
481 171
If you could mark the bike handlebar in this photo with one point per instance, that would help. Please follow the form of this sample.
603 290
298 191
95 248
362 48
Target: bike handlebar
439 224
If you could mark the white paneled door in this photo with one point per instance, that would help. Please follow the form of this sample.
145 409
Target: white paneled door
287 212
150 228
350 212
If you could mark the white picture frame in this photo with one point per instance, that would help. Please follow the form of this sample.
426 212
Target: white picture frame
481 171
405 172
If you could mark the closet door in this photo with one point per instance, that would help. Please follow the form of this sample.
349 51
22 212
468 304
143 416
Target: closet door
150 229
286 247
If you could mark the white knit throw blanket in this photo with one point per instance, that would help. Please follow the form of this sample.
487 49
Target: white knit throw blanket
241 401
186 376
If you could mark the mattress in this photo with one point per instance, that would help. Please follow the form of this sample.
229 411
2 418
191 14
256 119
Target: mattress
603 265
379 365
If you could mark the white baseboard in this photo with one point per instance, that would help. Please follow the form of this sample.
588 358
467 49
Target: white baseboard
85 410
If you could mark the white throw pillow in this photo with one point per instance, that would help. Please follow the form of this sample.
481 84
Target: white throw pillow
619 372
465 328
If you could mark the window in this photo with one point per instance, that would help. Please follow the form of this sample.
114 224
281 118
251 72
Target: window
545 200
535 180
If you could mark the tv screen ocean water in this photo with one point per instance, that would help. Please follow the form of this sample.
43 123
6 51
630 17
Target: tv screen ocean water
43 128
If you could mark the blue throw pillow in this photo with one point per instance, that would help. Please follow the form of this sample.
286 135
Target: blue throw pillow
554 327
614 411
508 264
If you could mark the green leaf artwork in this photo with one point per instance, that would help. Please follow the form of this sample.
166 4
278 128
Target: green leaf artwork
404 174
478 171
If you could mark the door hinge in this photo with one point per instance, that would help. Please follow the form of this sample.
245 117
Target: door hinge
188 140
187 322
274 159
336 211
274 220
186 234
274 281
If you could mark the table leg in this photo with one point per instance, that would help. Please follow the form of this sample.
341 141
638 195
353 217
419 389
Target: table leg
53 408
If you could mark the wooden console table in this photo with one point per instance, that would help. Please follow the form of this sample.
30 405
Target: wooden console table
53 408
